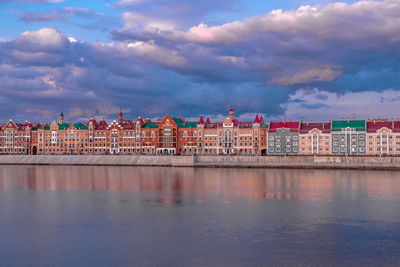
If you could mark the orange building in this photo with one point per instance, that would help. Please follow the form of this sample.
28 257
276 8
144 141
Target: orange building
166 136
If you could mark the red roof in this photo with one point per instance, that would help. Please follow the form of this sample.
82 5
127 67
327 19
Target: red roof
201 121
292 125
102 125
93 121
325 127
214 125
257 119
373 126
208 120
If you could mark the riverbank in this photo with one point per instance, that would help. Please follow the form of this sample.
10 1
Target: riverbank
298 162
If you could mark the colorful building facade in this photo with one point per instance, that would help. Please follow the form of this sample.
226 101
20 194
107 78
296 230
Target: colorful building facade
177 136
283 137
383 137
231 136
349 137
315 138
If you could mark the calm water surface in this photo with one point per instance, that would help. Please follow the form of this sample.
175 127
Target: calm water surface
145 216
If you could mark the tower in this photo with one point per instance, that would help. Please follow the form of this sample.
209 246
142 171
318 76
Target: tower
61 118
120 117
231 114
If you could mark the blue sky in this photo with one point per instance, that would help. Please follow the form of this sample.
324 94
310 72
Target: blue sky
283 59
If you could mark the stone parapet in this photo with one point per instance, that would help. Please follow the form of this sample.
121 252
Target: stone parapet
328 162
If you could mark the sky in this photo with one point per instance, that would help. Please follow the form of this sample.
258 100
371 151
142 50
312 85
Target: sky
287 59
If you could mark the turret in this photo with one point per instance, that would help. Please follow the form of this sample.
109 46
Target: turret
61 118
120 116
201 121
231 114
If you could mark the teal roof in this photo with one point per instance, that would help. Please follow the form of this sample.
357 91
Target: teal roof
190 124
63 126
80 126
150 125
178 122
184 124
358 125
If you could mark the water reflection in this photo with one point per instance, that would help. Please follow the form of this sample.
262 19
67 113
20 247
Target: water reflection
145 216
172 183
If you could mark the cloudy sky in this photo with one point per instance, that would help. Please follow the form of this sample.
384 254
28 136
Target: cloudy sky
292 59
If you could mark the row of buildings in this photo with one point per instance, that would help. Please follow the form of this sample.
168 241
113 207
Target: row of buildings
172 136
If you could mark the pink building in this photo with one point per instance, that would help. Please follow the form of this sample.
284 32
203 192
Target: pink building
315 138
383 137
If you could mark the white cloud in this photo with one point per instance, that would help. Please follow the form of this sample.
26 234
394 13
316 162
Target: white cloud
341 21
152 52
306 76
44 40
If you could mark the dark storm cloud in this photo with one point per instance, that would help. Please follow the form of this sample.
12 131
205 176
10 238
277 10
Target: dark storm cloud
264 64
45 71
288 48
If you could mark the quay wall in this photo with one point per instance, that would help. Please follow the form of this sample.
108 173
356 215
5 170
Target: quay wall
318 162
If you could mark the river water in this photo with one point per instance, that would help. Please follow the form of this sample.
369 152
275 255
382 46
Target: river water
155 216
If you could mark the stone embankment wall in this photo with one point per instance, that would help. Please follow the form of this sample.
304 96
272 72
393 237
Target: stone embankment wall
328 162
317 162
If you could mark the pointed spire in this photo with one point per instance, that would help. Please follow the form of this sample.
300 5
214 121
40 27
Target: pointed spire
120 116
257 119
208 120
201 121
261 120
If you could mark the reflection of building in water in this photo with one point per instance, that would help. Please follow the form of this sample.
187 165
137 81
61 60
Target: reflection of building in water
171 185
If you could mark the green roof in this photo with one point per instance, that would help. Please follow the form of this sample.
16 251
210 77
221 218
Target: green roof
150 125
190 124
63 126
358 125
80 126
184 124
178 122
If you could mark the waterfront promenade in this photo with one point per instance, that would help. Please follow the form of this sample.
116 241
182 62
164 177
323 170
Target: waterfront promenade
301 162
